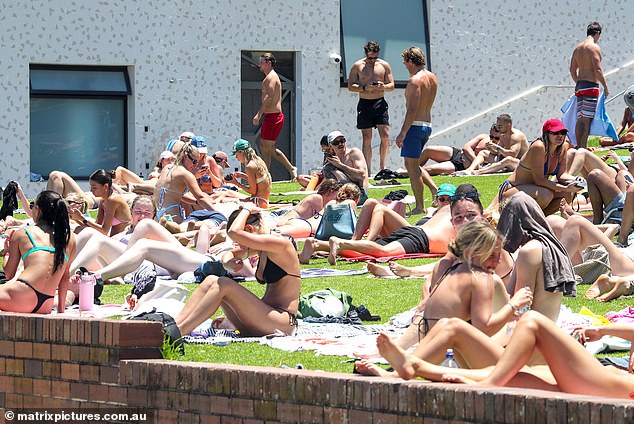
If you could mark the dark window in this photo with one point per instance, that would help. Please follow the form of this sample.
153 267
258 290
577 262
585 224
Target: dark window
395 26
78 119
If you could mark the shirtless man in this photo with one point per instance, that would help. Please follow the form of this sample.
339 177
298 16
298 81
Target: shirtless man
626 127
271 109
419 98
371 77
587 73
349 161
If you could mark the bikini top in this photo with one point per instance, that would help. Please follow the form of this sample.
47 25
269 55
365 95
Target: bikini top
272 272
36 248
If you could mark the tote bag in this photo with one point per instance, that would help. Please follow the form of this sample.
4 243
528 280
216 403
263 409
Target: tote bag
339 220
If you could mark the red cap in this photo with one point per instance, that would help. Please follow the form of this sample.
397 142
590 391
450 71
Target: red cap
553 125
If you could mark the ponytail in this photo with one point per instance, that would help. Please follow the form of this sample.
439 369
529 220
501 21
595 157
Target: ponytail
54 212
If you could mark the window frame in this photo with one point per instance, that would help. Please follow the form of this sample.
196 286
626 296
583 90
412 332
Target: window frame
343 75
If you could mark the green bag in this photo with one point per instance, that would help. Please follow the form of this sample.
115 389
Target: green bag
324 302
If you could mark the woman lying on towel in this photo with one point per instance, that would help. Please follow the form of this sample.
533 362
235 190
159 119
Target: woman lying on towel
545 157
45 249
571 368
312 204
278 268
299 227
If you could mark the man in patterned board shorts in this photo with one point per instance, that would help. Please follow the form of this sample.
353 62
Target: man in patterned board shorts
587 73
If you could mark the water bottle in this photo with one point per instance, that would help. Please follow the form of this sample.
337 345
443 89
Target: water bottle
449 361
86 291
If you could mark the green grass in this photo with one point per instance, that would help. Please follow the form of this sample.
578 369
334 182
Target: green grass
385 297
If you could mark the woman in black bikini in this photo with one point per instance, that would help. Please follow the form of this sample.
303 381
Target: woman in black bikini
45 249
545 157
278 268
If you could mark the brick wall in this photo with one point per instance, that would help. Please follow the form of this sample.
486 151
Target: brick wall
63 362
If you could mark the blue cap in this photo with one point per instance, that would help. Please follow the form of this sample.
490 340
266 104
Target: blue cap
446 190
200 143
240 144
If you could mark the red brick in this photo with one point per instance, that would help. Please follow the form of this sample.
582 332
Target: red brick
241 407
42 351
108 374
99 355
23 385
199 403
89 372
23 349
98 392
7 384
209 419
137 397
14 366
140 333
79 390
42 387
187 418
32 368
231 420
60 352
264 409
166 416
383 418
118 394
311 414
7 348
51 369
61 388
70 371
14 401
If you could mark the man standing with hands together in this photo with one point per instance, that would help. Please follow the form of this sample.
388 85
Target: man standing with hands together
371 77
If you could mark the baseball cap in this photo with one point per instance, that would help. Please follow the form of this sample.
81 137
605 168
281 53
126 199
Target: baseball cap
446 190
200 143
333 135
554 125
629 97
240 144
187 134
166 154
222 157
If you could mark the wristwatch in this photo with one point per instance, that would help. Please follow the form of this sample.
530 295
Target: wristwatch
85 221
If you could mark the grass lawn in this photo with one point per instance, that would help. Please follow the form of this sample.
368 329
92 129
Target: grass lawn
381 296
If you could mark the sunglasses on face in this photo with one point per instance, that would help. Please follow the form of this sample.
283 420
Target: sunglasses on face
494 137
473 195
194 161
218 160
562 132
371 58
338 141
444 199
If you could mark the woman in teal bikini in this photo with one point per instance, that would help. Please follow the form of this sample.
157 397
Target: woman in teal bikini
545 158
44 248
278 268
174 180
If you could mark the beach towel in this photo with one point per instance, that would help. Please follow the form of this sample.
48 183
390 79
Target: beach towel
350 256
601 124
330 272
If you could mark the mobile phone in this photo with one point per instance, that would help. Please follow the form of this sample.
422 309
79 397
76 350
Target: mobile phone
374 83
228 177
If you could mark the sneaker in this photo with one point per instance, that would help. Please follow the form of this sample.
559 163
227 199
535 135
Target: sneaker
144 279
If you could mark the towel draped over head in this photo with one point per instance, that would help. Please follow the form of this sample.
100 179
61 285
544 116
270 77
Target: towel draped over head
522 220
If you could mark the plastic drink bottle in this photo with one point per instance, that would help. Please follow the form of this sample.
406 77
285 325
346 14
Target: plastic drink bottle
86 292
449 361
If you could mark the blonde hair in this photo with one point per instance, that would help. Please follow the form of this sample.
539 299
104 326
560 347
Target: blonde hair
77 198
250 155
348 191
476 239
187 149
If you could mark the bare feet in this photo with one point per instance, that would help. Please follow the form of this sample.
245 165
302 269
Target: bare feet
462 173
453 378
565 210
379 270
417 211
171 226
604 284
395 356
307 251
621 288
400 270
334 249
368 368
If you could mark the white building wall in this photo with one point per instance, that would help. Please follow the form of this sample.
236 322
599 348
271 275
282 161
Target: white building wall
484 53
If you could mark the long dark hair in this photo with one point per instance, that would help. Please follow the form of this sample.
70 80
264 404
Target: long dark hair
9 200
103 177
54 212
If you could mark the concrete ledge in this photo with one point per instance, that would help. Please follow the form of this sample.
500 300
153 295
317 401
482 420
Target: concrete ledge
63 362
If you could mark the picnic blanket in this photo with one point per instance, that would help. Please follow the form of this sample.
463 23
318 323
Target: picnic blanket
324 339
350 256
331 272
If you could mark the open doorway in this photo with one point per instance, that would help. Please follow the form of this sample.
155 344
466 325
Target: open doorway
251 91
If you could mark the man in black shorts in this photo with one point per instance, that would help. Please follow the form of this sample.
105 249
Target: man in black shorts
371 77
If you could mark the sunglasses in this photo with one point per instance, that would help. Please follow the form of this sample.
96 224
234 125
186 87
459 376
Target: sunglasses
444 199
562 132
473 195
183 138
338 141
194 161
218 160
493 137
371 58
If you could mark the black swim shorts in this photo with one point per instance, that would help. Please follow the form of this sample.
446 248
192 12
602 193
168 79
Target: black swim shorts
412 238
456 159
372 112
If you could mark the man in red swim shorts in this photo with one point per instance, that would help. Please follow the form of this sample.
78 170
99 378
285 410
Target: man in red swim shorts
271 109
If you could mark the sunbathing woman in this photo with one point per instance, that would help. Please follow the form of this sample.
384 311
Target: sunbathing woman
542 262
545 157
134 183
174 180
299 227
63 184
44 249
312 204
114 214
257 177
278 268
571 368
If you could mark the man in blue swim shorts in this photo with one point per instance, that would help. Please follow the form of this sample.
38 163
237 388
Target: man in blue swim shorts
419 98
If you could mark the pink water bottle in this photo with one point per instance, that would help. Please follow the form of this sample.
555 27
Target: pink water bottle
86 291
